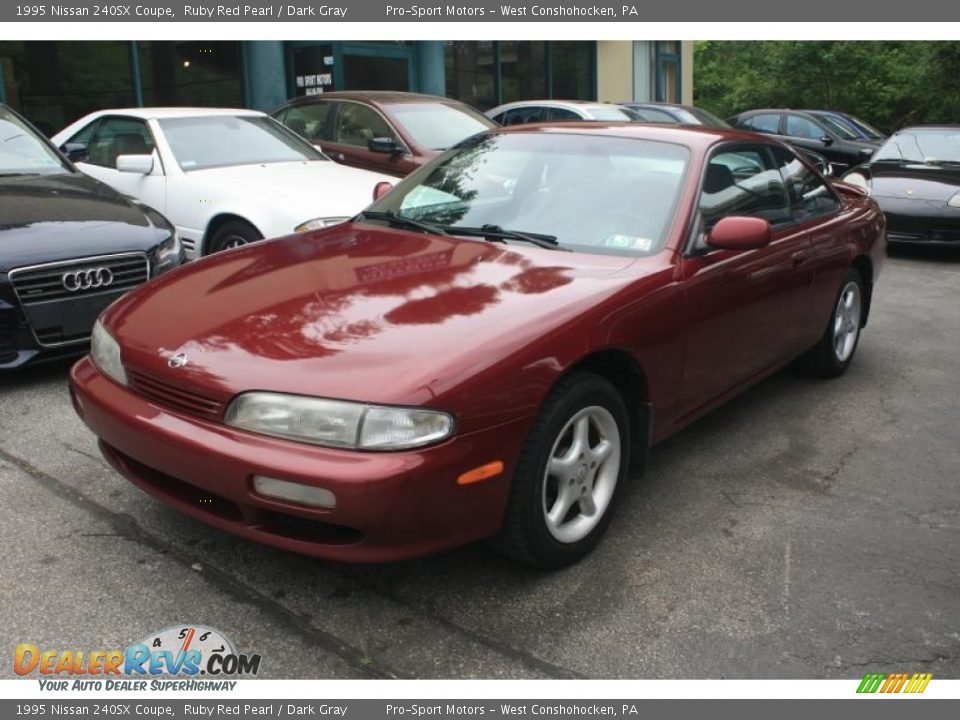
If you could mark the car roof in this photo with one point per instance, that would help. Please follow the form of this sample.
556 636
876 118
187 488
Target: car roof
927 127
555 103
695 136
374 96
148 113
773 110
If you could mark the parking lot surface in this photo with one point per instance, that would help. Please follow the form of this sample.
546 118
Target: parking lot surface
808 529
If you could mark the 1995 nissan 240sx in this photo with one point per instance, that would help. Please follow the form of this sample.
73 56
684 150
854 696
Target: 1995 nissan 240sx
487 349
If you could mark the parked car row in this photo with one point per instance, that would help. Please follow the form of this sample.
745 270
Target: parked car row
547 300
485 351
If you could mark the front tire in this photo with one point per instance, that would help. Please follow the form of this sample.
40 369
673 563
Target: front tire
232 234
832 355
572 466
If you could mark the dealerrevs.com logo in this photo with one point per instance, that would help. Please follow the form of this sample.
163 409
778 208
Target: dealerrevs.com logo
186 652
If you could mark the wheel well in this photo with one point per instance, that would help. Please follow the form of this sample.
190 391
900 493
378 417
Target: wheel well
623 371
864 266
218 221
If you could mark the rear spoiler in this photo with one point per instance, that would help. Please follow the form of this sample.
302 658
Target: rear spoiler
847 189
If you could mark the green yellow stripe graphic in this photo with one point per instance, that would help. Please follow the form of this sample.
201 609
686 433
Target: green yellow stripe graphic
894 682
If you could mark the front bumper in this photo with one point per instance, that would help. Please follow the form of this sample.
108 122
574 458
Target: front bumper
19 346
920 221
390 506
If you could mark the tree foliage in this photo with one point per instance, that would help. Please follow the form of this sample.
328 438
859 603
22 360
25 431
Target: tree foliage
888 84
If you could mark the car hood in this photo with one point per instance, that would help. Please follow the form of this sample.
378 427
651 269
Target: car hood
323 186
914 181
356 312
46 218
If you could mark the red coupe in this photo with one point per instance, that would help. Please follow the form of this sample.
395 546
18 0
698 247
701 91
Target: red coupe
487 350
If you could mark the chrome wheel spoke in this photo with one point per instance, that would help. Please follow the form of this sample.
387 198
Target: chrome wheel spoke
587 505
581 436
601 451
561 506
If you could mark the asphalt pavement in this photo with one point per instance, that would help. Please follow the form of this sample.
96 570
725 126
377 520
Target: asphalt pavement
808 529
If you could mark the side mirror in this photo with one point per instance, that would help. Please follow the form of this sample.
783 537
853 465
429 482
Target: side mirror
75 152
139 164
827 140
740 233
384 145
381 189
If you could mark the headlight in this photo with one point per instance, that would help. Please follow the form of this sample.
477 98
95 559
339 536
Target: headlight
105 352
858 179
319 223
954 201
336 423
169 253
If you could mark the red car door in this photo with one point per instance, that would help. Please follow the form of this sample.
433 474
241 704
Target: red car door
746 311
817 206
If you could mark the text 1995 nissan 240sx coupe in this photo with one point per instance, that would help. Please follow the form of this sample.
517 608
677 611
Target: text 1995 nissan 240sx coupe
484 351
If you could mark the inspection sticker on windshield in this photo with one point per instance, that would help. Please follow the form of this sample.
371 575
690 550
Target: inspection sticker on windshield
628 241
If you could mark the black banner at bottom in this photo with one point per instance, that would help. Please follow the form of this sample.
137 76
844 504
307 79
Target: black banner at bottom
873 707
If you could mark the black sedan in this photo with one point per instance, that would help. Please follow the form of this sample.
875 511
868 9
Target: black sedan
915 178
839 145
69 246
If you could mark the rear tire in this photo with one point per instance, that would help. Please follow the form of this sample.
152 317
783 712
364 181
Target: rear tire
572 466
832 355
233 233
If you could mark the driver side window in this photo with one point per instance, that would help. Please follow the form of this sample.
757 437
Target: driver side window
356 124
117 136
744 182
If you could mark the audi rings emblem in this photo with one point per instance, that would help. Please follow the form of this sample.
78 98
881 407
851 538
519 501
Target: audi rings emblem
88 279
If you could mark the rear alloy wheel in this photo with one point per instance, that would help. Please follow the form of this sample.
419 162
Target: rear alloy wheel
573 463
232 234
832 355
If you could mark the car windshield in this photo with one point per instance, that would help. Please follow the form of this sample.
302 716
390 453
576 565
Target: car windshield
936 145
439 126
22 152
646 114
593 193
210 141
867 129
612 113
838 126
705 117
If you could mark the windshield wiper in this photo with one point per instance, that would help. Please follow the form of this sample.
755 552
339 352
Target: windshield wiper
402 221
18 174
495 232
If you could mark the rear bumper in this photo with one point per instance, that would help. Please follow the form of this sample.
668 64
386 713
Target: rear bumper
390 506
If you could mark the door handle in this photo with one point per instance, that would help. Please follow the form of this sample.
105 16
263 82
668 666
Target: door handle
800 257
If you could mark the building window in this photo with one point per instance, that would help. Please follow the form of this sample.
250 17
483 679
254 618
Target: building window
471 73
55 83
668 71
523 71
200 73
571 70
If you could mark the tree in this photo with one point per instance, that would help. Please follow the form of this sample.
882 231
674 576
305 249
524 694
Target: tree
888 84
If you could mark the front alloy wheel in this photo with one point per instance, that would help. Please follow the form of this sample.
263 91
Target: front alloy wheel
571 466
581 474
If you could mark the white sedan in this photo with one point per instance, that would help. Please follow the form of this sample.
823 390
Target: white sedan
223 177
